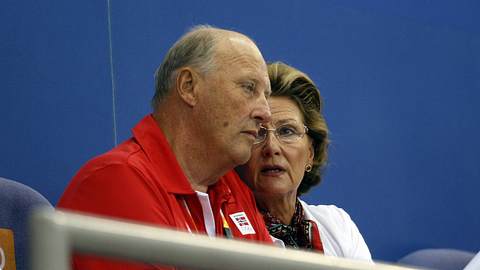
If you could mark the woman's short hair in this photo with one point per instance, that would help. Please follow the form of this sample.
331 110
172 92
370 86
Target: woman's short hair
287 81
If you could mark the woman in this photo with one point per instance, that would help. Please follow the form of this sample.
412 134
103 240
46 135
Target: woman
287 159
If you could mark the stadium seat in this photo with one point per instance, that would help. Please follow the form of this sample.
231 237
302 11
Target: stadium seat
438 259
16 202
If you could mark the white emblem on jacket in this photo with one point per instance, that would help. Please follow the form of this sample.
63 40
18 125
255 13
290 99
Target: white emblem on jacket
243 224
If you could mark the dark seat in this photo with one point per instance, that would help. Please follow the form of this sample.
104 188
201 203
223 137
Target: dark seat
438 259
16 202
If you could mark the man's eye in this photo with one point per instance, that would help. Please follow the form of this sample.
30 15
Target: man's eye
249 87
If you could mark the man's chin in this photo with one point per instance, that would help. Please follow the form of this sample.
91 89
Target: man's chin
242 156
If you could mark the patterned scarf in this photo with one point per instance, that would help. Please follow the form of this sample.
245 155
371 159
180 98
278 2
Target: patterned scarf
297 234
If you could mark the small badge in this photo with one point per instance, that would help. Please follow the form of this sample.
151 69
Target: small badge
7 250
243 224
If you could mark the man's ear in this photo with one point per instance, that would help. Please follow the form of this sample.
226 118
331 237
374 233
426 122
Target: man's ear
186 83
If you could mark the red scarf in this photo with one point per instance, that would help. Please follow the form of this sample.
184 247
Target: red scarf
300 234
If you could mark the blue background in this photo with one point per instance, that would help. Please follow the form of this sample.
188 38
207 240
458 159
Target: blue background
401 82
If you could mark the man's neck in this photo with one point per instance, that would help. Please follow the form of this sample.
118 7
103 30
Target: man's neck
200 169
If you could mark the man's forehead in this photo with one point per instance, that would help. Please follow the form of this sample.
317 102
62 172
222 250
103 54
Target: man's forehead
237 49
231 43
240 40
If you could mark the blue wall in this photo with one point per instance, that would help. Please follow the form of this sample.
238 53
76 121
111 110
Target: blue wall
401 82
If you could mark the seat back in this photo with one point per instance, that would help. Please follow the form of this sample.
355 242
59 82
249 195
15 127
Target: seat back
16 203
438 259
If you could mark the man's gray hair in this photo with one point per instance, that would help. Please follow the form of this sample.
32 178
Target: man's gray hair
194 49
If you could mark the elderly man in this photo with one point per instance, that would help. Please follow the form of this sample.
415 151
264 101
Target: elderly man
210 98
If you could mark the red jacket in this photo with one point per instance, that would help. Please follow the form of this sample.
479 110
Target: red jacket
141 180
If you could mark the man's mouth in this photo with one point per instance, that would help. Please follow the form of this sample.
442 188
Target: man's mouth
253 133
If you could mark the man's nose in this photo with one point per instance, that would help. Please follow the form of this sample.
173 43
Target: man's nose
261 112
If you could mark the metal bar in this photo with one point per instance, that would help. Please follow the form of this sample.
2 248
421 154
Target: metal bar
49 246
137 242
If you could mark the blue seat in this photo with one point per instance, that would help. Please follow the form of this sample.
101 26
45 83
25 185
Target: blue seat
16 202
438 259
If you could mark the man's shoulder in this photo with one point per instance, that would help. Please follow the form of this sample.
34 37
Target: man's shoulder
112 165
108 178
128 153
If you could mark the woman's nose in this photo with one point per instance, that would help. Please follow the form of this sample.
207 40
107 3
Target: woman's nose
271 145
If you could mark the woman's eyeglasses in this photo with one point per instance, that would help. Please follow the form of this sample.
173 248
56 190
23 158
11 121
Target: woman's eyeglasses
286 133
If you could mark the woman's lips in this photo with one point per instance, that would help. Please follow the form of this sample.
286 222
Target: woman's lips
272 170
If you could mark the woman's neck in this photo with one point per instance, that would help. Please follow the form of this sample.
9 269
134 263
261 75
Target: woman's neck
281 206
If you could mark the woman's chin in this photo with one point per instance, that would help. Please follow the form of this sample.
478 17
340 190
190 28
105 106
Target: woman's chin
274 191
273 174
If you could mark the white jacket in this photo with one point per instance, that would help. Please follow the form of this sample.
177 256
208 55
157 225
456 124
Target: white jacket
339 234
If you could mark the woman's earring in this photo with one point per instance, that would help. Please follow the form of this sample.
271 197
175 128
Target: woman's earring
308 168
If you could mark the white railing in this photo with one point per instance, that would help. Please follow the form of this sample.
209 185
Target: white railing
55 234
